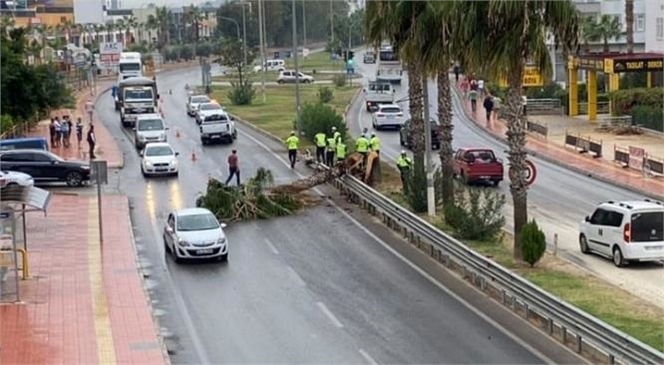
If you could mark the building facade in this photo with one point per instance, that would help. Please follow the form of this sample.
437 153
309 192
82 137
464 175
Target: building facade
654 25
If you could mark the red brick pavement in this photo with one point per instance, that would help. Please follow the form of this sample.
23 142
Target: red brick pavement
82 305
602 169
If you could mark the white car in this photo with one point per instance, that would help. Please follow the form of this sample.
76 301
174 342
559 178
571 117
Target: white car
388 116
217 127
9 178
625 231
195 233
288 76
206 109
193 101
159 158
149 128
271 65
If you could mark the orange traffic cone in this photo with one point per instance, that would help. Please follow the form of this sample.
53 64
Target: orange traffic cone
193 155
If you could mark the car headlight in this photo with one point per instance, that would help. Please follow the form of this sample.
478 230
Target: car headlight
221 241
174 162
162 137
183 243
148 163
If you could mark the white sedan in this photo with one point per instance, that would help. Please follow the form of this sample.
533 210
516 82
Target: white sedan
388 115
159 159
8 178
195 233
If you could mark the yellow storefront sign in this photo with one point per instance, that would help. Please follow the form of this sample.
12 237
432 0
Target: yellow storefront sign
531 77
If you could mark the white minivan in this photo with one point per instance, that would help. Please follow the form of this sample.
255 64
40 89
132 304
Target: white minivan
625 231
272 65
149 128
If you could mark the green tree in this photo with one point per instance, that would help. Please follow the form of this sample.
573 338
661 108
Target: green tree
317 118
534 243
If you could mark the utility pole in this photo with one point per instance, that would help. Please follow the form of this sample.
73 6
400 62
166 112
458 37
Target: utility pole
244 33
262 41
297 71
304 24
431 197
331 22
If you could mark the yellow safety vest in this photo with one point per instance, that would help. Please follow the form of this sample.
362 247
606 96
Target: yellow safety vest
292 142
404 162
375 143
341 151
362 145
331 143
320 139
337 135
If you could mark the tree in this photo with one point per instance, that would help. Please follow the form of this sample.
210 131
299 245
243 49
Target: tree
507 35
629 23
590 32
163 22
534 243
232 55
609 28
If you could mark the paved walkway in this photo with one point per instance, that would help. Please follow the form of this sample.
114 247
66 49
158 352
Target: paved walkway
84 302
548 148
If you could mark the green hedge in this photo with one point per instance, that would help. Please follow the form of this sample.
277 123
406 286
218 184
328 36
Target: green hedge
625 100
648 117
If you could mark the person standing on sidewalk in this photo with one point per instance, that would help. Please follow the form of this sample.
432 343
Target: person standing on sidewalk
233 168
51 132
292 143
472 95
464 86
488 106
92 141
79 131
320 146
65 130
58 132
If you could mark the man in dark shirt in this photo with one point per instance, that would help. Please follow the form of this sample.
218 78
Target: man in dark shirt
92 141
233 168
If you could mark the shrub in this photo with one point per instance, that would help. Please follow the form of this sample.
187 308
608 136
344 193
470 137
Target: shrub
533 243
339 80
325 95
648 117
318 118
203 49
477 213
186 52
416 193
625 100
241 93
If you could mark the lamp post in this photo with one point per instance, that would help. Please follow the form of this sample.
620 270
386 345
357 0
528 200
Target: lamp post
262 46
244 28
297 71
431 197
304 24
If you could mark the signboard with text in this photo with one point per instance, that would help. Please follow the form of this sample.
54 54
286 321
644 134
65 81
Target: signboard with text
109 53
636 155
532 77
644 65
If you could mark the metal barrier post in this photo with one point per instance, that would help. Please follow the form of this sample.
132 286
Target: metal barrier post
555 244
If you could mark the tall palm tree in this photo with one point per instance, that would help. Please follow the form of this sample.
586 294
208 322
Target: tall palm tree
507 35
629 23
163 17
609 28
193 18
590 32
152 24
110 31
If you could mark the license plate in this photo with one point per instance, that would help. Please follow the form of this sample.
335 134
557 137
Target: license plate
216 136
161 170
204 251
391 117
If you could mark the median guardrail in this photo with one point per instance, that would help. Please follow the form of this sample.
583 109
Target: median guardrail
568 324
637 158
584 144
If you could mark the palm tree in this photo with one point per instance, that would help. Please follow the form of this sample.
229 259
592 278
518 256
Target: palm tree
163 18
629 23
609 28
193 18
590 32
507 35
110 31
152 24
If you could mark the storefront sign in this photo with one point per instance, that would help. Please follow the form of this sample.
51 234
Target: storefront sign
590 64
645 65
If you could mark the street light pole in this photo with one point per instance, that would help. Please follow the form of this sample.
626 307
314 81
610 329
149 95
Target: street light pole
297 72
244 33
431 197
304 24
239 36
331 23
262 42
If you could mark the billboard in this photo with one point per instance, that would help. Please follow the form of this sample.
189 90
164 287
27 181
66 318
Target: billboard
109 54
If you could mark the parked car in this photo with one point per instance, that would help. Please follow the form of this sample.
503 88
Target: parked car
218 127
478 165
9 178
387 116
195 233
149 128
625 231
406 136
45 166
369 57
32 143
205 109
159 158
271 65
288 77
194 101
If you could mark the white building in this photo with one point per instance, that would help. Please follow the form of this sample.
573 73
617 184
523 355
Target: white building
654 25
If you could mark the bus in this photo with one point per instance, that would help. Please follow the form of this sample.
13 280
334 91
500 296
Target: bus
389 66
130 65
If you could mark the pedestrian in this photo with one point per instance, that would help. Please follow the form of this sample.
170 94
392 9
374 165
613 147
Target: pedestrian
79 131
464 86
374 143
480 86
233 168
340 151
362 146
65 130
320 139
488 106
58 132
335 133
332 143
473 95
292 143
365 133
457 71
92 141
51 132
404 164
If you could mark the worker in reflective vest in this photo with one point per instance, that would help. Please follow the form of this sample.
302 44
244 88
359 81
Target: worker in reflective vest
331 150
404 164
362 146
340 151
320 147
375 143
336 134
292 143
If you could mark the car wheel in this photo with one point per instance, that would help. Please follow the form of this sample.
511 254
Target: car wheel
583 244
307 81
74 178
280 81
203 141
618 258
464 178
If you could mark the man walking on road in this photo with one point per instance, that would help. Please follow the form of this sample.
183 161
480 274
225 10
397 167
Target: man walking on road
292 143
488 106
92 141
320 139
233 168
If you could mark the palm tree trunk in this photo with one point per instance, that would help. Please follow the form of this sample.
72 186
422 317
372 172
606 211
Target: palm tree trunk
629 23
446 127
516 140
415 95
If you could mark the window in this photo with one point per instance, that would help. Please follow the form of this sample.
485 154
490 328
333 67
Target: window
599 217
640 23
660 29
38 157
648 227
14 157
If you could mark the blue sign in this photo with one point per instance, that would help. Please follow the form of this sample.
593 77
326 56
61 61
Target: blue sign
5 215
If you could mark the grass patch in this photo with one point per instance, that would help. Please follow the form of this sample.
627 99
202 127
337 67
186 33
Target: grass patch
278 113
269 77
317 61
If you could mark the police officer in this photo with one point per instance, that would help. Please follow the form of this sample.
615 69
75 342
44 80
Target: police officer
292 143
331 150
340 151
404 164
362 145
374 143
320 147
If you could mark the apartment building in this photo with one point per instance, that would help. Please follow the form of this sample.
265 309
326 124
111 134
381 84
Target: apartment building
654 25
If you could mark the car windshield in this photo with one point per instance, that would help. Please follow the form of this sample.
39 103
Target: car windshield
158 151
138 94
379 87
200 99
481 155
216 118
210 107
197 222
150 125
390 110
648 227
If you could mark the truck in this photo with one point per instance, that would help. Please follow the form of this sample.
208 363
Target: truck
130 64
378 92
473 165
217 127
137 95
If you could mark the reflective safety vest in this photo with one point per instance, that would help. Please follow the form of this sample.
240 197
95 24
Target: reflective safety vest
336 136
331 143
292 142
362 144
375 143
404 162
341 151
320 139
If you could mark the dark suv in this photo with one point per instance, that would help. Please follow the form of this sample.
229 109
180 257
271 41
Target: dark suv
45 166
405 138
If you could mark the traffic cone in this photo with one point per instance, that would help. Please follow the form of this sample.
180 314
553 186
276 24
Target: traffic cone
193 155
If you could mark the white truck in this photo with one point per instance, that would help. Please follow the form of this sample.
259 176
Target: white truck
137 95
217 127
378 92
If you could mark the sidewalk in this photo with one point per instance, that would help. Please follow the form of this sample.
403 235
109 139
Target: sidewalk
553 150
84 303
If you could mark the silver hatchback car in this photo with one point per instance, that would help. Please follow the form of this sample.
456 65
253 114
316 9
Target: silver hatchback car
195 233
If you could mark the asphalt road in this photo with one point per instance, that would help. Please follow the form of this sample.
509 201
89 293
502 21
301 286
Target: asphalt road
558 200
315 288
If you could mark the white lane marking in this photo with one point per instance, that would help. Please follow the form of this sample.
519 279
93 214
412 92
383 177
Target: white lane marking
295 276
440 286
367 357
271 246
329 314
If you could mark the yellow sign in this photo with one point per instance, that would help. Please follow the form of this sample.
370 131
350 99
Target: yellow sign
531 77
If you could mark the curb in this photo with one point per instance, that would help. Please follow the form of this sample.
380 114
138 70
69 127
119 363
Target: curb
503 140
256 129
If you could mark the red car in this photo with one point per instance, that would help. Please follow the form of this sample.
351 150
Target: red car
478 165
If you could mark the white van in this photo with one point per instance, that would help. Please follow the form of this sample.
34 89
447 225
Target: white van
272 65
149 128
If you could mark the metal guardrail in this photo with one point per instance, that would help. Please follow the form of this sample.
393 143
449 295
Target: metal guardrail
603 107
584 144
544 106
559 317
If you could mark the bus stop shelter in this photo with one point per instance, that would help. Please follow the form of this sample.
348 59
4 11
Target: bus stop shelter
15 202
